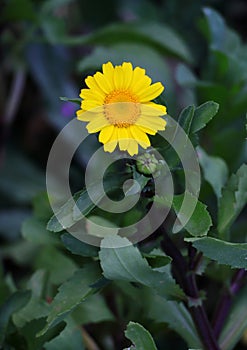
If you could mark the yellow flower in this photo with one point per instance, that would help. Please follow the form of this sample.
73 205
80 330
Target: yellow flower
118 104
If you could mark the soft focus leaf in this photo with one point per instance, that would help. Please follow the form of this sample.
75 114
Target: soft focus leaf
214 169
177 317
216 26
15 302
127 264
158 36
140 337
71 293
232 254
233 200
59 266
34 230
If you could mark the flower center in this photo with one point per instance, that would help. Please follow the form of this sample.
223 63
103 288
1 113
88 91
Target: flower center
121 108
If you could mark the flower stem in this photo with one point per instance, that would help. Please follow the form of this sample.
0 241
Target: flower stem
185 276
226 300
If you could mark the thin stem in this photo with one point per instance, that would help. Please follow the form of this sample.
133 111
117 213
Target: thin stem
89 341
186 278
226 300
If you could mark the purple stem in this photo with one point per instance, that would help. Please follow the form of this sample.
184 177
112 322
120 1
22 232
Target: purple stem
185 276
226 300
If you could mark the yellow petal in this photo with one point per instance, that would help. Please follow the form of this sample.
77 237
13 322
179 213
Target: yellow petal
108 71
104 84
112 143
157 106
147 130
128 74
84 117
89 104
92 95
140 136
123 138
151 92
106 134
92 84
140 81
132 147
97 124
153 123
118 78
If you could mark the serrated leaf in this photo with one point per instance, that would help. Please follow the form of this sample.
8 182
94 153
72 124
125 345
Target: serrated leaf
30 330
200 221
93 310
203 114
176 316
15 302
140 337
233 200
69 339
214 169
186 117
64 215
236 322
71 293
226 253
127 264
35 309
75 246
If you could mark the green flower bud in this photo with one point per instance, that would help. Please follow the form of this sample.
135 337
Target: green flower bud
147 164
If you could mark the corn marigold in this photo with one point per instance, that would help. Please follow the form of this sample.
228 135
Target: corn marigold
118 105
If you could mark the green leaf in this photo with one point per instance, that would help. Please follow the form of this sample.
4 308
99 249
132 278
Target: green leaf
41 206
176 316
92 310
233 200
74 100
186 117
140 337
126 263
236 322
15 302
65 214
217 28
158 36
75 246
34 230
59 266
72 293
203 114
214 169
30 330
35 309
69 339
184 76
226 253
200 221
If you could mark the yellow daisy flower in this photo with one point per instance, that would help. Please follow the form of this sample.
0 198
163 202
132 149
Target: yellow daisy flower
118 104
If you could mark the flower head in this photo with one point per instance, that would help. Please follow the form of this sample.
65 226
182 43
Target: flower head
118 104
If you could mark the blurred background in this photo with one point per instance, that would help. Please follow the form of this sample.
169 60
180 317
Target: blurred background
197 49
